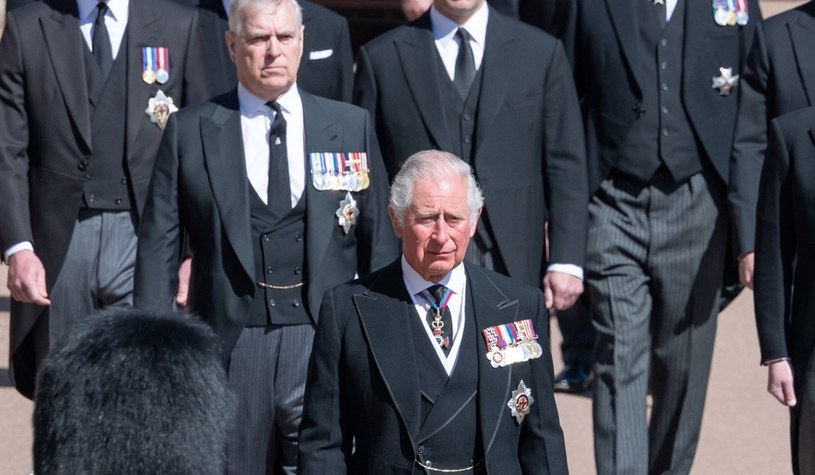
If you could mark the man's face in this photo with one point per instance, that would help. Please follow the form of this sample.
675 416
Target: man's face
458 10
267 51
437 228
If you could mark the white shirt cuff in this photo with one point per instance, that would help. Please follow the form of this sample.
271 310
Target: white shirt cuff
23 246
570 269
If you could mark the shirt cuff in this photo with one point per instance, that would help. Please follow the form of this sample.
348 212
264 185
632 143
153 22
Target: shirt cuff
570 269
775 360
23 246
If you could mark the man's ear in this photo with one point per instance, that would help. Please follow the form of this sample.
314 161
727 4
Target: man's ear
474 224
397 228
230 44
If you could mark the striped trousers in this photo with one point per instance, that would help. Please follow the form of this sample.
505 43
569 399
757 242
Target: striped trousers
654 267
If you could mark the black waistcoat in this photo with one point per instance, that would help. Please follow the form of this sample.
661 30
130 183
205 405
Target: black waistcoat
106 171
279 260
460 114
662 135
449 436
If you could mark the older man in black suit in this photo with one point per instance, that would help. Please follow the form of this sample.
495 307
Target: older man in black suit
326 66
86 88
659 83
784 279
282 196
432 365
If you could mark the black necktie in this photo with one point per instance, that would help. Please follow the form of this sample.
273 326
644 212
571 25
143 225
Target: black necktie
465 64
440 321
279 190
101 40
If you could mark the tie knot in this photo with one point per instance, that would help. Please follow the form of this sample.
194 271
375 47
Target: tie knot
102 9
438 292
463 34
274 106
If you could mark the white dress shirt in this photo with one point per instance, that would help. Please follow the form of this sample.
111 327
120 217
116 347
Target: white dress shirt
256 122
115 22
444 34
455 280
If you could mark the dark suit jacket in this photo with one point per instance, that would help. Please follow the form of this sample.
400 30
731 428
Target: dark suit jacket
605 50
45 125
326 68
528 154
786 224
200 186
363 387
779 77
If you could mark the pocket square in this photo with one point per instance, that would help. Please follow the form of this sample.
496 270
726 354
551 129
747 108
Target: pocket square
320 54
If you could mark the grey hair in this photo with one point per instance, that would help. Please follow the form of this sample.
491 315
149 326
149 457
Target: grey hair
434 166
240 10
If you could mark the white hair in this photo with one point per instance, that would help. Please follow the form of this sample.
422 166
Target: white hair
436 167
240 10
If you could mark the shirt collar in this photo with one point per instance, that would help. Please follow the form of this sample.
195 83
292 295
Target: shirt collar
87 9
444 29
251 104
454 280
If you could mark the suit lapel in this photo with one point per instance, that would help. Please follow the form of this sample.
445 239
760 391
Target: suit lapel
324 133
624 18
384 311
65 48
419 61
802 33
491 307
694 38
498 60
226 169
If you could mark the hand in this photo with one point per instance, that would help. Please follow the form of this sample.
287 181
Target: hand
561 290
746 269
779 382
26 278
184 271
413 9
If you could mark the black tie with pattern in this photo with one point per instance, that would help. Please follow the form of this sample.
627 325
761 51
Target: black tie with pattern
278 192
439 317
101 41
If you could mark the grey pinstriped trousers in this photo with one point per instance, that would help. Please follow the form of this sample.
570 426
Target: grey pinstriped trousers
654 267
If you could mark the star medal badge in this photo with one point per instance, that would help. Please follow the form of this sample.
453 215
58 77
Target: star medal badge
725 81
159 109
511 343
347 213
520 402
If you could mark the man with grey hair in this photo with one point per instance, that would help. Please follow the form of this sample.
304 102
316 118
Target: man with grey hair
432 364
282 196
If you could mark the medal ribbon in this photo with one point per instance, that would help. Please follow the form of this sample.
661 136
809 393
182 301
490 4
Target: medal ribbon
148 58
431 300
162 59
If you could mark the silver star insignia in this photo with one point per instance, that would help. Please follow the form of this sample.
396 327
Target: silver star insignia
347 212
520 401
726 81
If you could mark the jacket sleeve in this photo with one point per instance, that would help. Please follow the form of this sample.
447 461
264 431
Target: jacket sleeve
775 248
323 446
541 438
160 234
